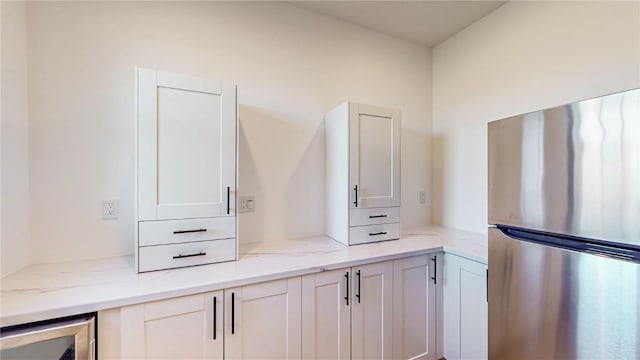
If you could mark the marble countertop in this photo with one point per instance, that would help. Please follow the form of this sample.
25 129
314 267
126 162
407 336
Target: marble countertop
46 291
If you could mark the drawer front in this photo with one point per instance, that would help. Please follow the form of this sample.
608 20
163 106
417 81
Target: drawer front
185 230
373 233
180 255
388 215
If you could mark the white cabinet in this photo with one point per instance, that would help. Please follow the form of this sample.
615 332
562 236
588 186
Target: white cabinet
375 311
326 315
186 169
188 327
465 309
414 308
262 321
372 312
362 173
258 321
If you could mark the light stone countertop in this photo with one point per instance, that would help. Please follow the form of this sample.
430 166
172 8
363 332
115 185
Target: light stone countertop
47 291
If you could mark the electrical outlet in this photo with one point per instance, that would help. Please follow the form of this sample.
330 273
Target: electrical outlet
423 197
247 203
110 209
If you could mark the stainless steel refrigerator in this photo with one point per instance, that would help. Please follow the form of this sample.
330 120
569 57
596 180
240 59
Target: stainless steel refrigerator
564 236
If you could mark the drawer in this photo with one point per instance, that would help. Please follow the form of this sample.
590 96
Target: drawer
359 217
373 233
185 230
187 254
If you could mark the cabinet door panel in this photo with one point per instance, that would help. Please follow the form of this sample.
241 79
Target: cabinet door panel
186 146
262 321
326 316
371 317
414 309
180 328
473 311
465 310
375 155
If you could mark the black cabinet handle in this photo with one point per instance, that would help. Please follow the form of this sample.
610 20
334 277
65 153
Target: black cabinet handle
358 294
347 297
215 303
378 233
228 200
189 231
487 291
355 188
377 216
189 255
435 269
233 313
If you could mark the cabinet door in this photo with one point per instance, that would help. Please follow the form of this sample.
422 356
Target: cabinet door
186 147
180 328
371 314
465 309
374 156
326 315
262 321
414 308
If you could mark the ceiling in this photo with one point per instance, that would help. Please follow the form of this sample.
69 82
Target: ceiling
425 22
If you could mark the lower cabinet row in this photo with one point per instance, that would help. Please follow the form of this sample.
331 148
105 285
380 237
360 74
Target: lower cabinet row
383 310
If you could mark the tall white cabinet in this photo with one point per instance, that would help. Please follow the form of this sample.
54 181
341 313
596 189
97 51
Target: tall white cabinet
186 171
362 173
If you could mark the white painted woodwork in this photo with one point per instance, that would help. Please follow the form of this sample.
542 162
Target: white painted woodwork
186 159
337 191
372 233
109 329
359 217
465 309
362 149
186 146
179 328
326 316
172 255
374 155
171 231
414 309
372 312
266 320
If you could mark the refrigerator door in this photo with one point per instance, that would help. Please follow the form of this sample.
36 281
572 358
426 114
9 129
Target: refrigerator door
552 303
572 169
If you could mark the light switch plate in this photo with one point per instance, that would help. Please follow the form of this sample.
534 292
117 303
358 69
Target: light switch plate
246 204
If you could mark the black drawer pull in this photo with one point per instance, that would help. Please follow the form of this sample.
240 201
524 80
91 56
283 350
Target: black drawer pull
376 216
189 231
378 233
190 255
355 202
347 297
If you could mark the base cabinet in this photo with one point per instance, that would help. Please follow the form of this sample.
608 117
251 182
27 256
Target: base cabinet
372 312
376 311
262 321
180 328
465 309
326 315
383 310
414 308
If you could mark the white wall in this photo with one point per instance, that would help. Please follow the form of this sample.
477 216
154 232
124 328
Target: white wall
291 67
14 227
522 57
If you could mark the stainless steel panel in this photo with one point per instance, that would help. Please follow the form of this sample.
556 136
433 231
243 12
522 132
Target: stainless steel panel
573 169
33 342
552 303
